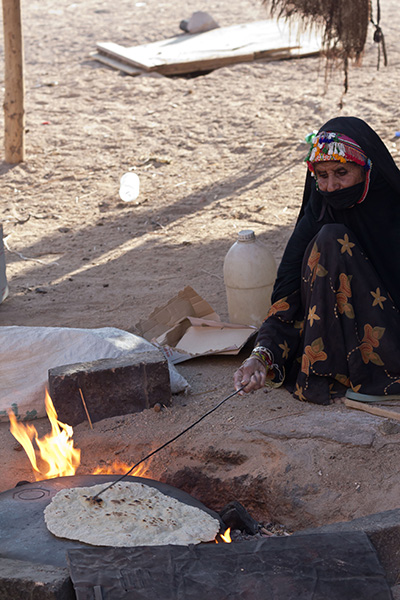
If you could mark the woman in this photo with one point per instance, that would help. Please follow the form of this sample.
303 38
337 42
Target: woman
335 323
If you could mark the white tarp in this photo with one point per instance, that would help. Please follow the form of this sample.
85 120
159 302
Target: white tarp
3 278
27 353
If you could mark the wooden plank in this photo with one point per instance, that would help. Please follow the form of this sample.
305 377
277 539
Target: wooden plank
125 54
116 64
373 410
223 46
209 65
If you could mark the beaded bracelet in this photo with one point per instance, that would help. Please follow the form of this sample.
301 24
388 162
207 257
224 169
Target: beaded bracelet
265 356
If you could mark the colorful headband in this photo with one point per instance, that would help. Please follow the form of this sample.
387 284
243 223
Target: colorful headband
328 145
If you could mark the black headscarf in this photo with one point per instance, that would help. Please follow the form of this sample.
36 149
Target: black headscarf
375 222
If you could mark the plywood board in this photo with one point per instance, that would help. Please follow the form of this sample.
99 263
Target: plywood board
223 46
114 63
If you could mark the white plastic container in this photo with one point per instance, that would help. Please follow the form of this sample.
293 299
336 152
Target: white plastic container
249 276
129 187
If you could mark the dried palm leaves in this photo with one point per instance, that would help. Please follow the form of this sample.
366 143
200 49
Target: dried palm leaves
344 23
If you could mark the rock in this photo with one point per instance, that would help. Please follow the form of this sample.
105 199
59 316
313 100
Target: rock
110 387
22 579
325 424
199 22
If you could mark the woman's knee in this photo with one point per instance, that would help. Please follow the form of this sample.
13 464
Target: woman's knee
330 232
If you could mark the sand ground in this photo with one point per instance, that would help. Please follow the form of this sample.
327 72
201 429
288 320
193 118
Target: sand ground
215 154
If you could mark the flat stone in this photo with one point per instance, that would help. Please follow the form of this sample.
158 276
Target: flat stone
345 427
110 387
328 567
389 427
396 592
383 529
25 580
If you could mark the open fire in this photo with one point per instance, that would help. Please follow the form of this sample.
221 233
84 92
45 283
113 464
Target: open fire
54 455
226 537
119 468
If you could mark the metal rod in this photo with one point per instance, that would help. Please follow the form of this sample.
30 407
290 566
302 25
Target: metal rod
96 497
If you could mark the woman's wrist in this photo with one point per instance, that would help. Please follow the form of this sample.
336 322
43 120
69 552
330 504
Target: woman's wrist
264 356
257 359
274 373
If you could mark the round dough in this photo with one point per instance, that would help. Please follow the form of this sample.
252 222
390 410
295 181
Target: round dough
130 514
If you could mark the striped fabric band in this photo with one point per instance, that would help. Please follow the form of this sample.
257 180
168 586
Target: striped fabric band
328 145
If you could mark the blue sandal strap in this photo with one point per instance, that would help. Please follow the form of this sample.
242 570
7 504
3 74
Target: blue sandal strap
367 398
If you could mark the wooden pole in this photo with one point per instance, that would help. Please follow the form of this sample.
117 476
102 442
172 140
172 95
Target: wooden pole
14 114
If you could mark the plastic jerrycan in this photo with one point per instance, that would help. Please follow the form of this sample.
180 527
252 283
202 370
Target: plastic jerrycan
249 276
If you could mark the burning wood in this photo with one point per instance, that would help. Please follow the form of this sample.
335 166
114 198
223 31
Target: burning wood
225 537
118 467
55 454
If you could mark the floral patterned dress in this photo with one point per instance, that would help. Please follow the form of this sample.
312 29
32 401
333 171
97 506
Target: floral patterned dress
340 330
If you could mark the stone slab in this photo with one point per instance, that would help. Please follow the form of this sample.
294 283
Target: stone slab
341 566
23 580
383 529
110 387
396 592
322 424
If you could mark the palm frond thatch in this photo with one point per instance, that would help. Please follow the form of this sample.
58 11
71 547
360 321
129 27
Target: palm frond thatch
344 23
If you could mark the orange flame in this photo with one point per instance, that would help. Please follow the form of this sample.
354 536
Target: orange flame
226 537
119 468
56 451
55 455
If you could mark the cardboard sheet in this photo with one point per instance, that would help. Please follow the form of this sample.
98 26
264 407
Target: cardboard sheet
208 339
187 327
187 303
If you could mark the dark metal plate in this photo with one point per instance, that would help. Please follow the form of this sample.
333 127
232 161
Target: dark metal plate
23 531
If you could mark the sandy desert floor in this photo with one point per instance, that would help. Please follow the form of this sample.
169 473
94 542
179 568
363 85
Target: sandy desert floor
215 154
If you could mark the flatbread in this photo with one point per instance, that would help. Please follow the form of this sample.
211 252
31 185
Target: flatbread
130 514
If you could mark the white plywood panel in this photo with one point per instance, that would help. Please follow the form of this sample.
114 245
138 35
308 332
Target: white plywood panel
225 45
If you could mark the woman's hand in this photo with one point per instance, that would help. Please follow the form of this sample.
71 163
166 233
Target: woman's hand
251 374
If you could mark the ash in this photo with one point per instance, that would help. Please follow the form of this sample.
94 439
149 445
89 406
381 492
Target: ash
244 527
265 530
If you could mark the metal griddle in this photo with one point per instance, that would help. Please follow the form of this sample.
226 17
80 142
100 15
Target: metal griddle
23 531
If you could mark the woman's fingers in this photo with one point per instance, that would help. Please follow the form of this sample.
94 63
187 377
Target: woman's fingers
251 375
255 382
237 379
